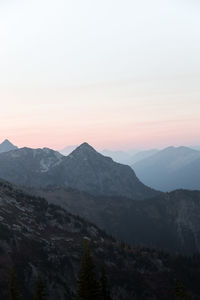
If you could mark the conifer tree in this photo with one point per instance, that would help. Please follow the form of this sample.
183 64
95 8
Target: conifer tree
179 291
105 293
40 293
88 286
13 291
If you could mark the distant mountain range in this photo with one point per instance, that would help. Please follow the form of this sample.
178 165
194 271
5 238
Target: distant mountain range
129 157
171 168
142 155
67 150
122 157
6 146
165 170
84 169
196 147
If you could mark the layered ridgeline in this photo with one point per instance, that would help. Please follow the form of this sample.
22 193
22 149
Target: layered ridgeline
93 186
168 221
129 157
36 237
84 169
171 168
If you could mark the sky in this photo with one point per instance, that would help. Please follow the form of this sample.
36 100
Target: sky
117 74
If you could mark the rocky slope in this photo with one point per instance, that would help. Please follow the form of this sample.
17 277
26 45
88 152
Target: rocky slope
27 166
84 169
169 221
35 236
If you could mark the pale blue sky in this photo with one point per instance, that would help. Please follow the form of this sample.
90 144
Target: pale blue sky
102 71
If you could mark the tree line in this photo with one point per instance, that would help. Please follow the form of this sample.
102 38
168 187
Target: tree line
89 287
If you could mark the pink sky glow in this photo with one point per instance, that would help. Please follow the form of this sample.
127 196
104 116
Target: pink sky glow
117 74
115 116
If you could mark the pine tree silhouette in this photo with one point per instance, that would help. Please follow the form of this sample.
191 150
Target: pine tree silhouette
179 291
13 290
105 293
88 286
40 293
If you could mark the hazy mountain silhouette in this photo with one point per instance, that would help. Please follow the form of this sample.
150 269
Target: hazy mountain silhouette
170 169
129 157
142 155
67 150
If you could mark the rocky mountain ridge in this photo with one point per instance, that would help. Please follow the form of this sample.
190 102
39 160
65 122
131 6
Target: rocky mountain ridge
38 237
84 169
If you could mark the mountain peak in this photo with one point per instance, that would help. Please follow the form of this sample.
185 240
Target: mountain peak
179 149
170 148
6 142
85 147
6 146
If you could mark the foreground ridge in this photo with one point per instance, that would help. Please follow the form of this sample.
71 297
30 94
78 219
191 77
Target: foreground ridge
38 237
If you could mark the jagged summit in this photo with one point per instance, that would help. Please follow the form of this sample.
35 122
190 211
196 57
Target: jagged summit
84 152
6 141
85 147
6 146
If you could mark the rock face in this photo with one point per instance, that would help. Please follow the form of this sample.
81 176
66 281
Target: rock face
38 237
169 221
170 169
27 166
84 169
6 146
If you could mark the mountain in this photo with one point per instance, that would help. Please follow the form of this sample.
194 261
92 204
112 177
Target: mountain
129 157
87 170
195 147
170 169
122 157
67 150
38 237
168 221
84 169
6 146
27 166
142 155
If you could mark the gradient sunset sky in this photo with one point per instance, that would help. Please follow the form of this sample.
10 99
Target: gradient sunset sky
117 74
